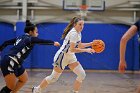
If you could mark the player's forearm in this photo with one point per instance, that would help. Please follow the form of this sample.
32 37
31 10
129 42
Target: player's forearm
83 45
77 50
47 42
3 46
6 43
35 40
122 49
126 37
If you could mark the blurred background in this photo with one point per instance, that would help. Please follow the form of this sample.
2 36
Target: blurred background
104 19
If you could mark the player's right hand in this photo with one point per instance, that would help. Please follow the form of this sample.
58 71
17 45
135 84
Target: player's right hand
122 66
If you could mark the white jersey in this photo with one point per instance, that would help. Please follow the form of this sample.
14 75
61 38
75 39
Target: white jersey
64 56
72 36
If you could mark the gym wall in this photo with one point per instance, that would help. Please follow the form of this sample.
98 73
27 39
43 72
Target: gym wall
42 55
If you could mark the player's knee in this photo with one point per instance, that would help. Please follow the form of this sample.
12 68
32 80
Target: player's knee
53 77
79 71
81 76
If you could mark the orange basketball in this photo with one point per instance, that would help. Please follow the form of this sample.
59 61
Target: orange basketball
98 46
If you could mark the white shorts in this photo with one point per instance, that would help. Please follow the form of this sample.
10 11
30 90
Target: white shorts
62 59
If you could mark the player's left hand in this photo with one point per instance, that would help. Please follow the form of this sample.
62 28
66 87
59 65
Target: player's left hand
56 44
122 66
90 50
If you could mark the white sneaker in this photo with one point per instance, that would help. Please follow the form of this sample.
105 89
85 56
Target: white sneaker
35 90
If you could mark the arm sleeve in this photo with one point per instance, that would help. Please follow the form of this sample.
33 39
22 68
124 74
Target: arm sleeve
73 37
6 43
137 24
35 40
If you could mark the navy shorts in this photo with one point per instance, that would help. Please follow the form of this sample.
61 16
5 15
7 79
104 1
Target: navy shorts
9 66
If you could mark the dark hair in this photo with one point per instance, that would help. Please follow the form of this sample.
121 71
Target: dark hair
29 27
70 25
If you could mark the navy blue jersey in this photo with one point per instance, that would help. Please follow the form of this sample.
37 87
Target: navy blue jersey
138 24
23 46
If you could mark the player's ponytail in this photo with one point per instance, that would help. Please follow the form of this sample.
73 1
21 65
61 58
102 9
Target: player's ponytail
29 26
70 26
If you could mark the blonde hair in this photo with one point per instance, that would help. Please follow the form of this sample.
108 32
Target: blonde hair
70 25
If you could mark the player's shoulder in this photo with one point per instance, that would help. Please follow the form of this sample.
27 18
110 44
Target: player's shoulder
73 31
24 37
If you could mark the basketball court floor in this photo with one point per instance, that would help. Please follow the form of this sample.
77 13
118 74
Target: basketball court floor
95 82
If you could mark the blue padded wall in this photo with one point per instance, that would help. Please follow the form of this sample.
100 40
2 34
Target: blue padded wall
42 55
6 32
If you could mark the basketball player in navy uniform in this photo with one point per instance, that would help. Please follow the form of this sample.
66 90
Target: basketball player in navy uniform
11 64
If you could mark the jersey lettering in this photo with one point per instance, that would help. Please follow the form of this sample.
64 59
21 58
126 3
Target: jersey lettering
17 41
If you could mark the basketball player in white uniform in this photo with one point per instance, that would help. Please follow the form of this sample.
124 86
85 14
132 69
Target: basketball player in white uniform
65 56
